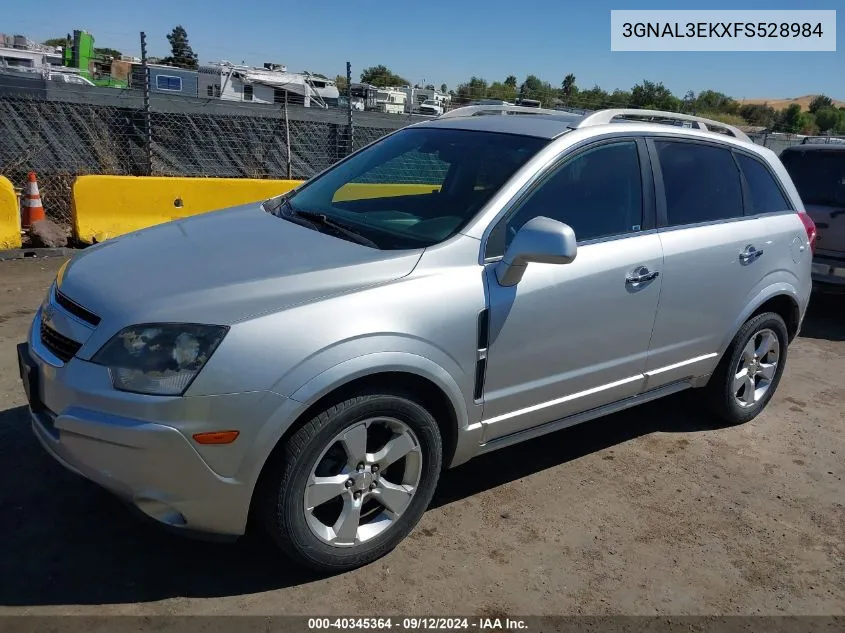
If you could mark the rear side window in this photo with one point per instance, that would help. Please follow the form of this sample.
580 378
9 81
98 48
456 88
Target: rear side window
702 183
766 195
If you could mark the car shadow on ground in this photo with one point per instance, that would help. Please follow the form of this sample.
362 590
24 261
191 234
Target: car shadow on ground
67 542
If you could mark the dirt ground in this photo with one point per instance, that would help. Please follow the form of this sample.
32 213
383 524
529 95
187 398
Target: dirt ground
652 511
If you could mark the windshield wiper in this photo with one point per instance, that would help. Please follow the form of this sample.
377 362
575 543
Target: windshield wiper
321 219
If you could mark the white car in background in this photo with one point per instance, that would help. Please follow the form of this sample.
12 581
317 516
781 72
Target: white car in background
431 106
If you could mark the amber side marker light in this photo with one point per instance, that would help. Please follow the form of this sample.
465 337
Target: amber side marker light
216 437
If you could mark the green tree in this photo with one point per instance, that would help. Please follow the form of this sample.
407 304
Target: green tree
532 86
108 52
688 102
499 90
820 102
807 123
382 76
724 117
789 120
444 88
619 99
56 41
830 119
340 82
653 95
567 88
181 53
511 81
594 99
760 114
712 101
475 88
535 88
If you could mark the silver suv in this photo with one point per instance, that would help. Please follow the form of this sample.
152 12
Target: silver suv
458 286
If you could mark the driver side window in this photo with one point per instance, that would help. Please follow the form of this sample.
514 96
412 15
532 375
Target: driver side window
597 192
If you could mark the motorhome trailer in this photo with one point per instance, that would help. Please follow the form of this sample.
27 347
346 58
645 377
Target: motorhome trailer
271 84
391 100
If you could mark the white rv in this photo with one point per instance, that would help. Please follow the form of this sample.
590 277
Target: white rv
432 99
271 84
390 100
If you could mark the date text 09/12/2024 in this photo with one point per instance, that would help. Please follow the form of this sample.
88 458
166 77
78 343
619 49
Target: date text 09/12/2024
416 624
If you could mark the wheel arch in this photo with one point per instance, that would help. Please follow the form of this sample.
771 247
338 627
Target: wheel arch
413 375
780 299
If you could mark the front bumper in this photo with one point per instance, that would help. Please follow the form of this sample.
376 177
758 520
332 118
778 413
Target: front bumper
140 447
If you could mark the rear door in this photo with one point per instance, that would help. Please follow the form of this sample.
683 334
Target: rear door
714 255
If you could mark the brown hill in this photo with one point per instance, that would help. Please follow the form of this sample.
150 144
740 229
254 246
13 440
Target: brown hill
782 104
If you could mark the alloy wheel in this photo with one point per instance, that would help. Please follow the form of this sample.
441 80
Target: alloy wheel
363 481
756 368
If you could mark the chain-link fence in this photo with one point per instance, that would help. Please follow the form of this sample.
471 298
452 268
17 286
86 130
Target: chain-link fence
61 131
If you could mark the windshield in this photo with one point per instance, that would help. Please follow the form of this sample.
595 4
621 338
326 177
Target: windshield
819 176
416 187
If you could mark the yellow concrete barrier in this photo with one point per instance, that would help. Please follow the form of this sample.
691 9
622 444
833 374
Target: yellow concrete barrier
10 216
108 206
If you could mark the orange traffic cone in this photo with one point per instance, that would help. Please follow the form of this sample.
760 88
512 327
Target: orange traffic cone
33 210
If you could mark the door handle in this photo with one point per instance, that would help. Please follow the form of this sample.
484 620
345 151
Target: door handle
750 254
641 275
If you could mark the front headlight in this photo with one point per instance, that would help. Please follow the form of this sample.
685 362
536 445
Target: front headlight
159 359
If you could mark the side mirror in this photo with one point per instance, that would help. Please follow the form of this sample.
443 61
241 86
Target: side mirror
541 240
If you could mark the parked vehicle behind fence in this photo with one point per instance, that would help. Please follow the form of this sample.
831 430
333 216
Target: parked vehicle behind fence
461 285
818 171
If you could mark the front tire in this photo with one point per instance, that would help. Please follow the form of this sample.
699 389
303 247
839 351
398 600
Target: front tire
750 371
353 482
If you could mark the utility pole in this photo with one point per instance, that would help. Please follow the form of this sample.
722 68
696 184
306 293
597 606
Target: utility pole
287 135
148 132
349 107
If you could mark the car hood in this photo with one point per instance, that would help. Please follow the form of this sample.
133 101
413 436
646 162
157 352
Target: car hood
222 267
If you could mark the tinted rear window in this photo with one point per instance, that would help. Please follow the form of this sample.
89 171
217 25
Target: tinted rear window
766 195
819 176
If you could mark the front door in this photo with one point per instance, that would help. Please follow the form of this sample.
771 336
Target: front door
568 338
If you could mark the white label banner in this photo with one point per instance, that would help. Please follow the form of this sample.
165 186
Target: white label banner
710 30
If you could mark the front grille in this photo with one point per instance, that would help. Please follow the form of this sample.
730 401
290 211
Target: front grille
59 345
77 310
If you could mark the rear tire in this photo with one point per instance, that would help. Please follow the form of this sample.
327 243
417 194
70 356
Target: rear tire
750 371
335 501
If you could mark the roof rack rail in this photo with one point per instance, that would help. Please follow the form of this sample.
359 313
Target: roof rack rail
822 140
479 110
607 116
